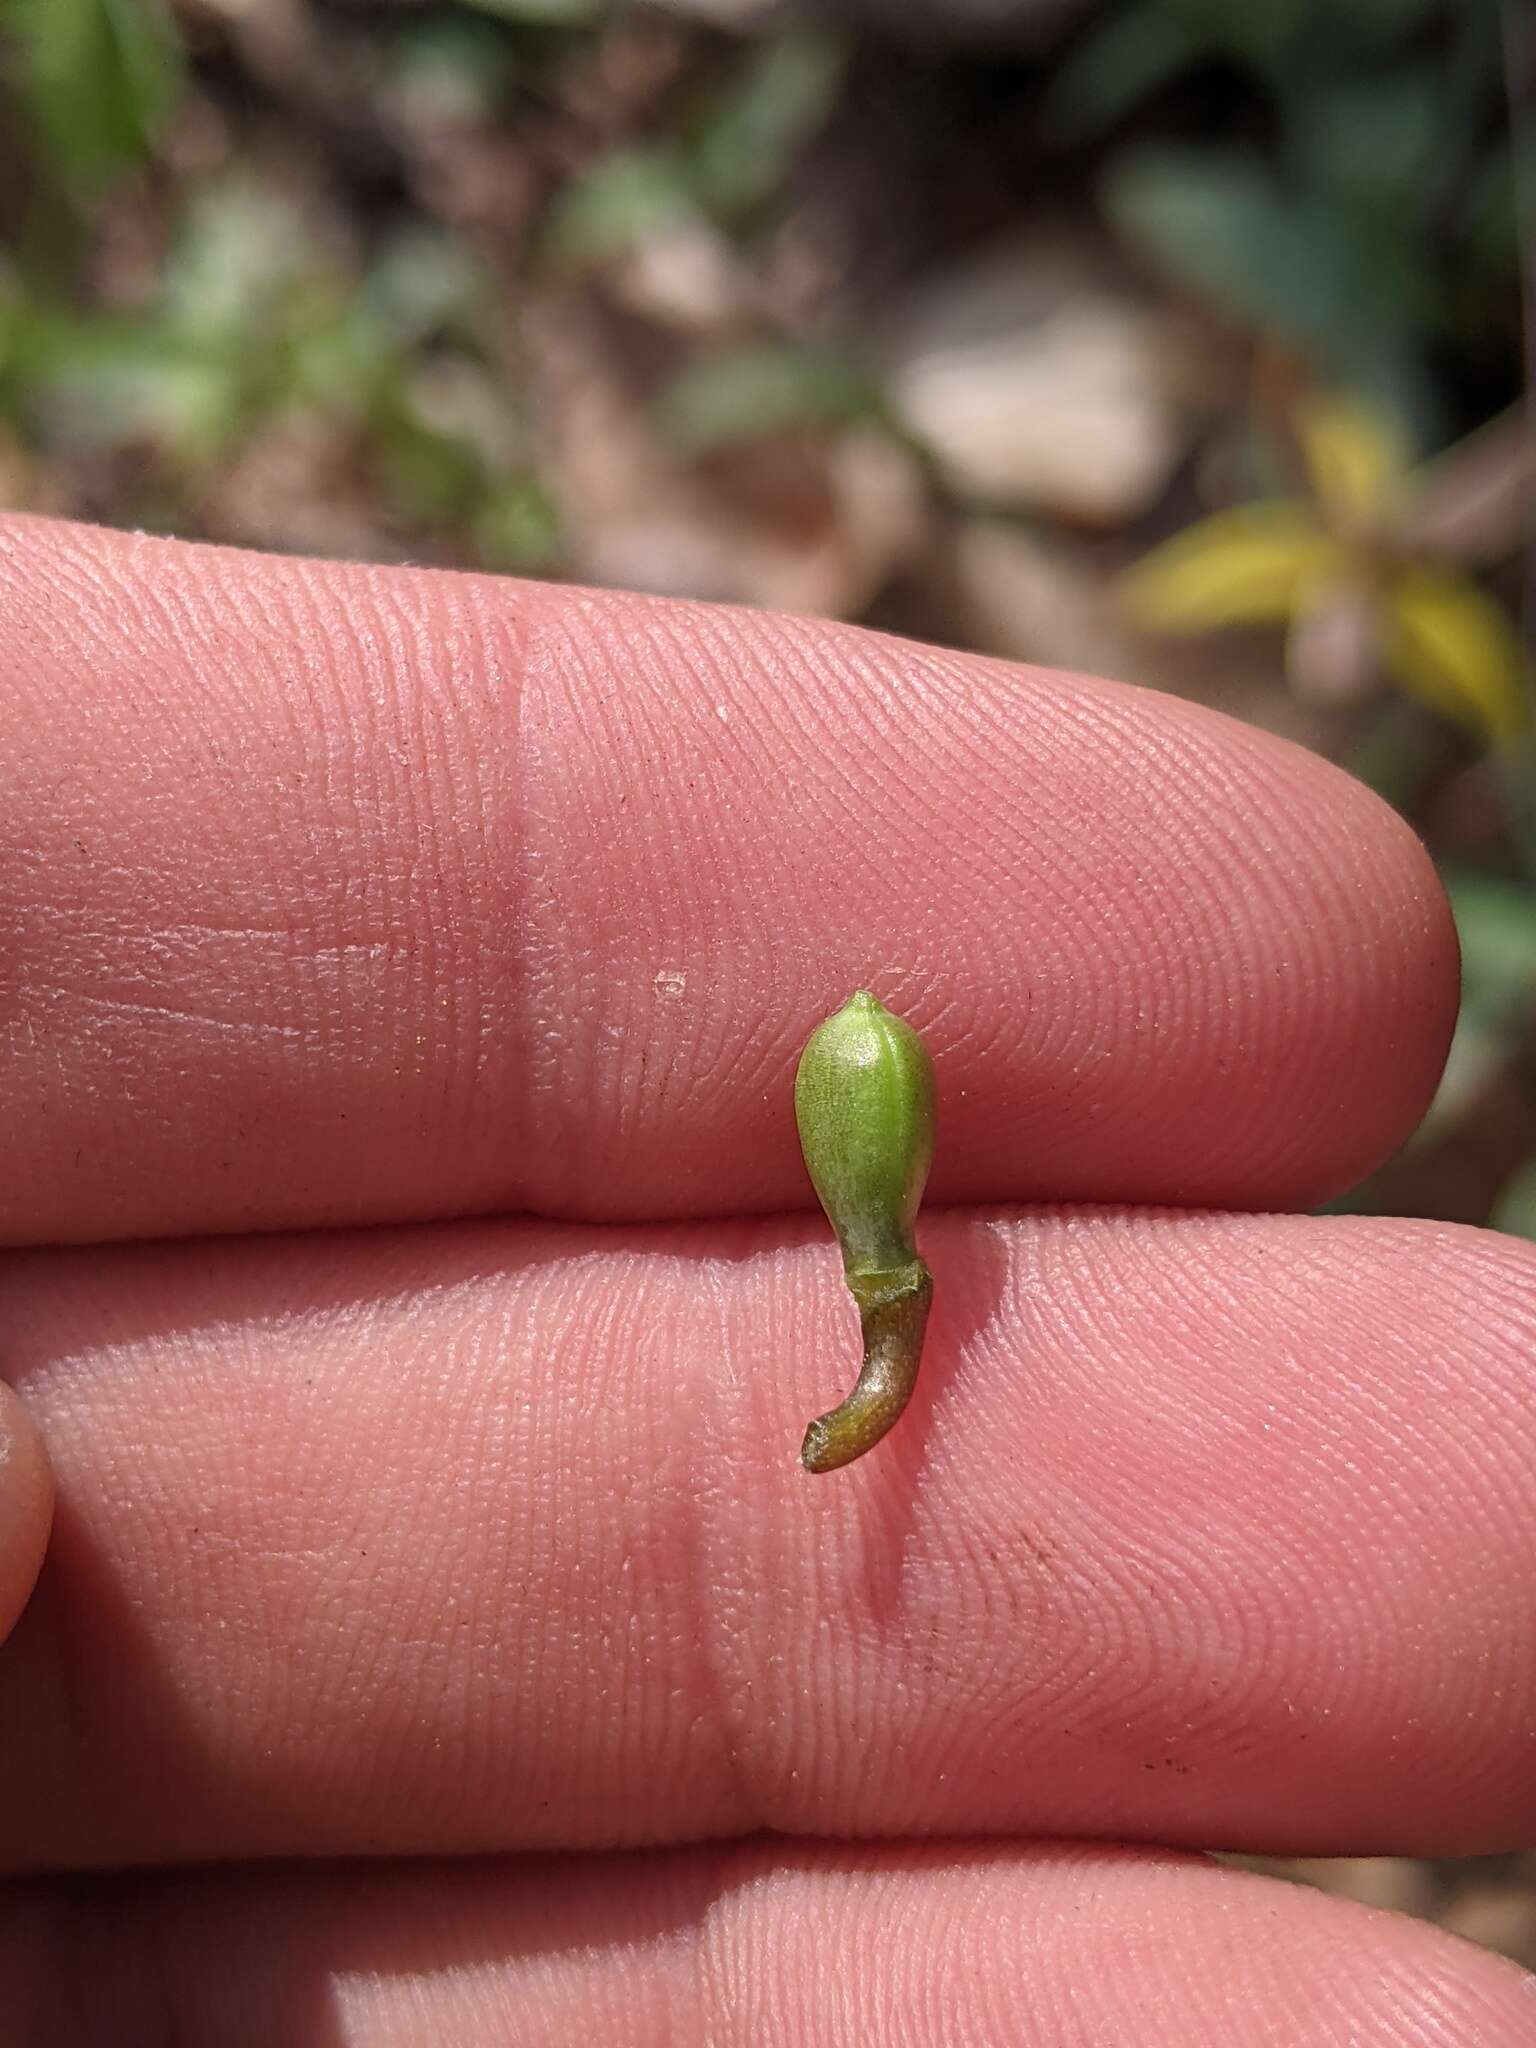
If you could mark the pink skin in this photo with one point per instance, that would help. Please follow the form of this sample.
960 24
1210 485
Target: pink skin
344 895
335 896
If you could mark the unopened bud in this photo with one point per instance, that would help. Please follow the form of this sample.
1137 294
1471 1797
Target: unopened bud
864 1109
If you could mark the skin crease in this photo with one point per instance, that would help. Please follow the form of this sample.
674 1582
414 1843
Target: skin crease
334 896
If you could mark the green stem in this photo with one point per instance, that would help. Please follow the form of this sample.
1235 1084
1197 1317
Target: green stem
893 1314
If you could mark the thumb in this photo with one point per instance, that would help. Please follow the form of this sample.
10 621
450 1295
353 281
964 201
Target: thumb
26 1507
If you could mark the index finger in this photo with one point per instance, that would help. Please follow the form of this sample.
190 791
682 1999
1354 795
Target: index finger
336 894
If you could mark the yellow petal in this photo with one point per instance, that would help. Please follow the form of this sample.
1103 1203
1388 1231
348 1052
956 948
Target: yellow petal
1355 458
1239 568
1450 645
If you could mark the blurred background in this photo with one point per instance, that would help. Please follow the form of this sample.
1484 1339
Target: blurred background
1184 341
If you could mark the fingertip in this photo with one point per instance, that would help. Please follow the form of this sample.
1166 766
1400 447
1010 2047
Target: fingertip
1388 968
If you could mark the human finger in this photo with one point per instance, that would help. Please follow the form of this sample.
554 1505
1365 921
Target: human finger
339 895
1206 1529
1054 1946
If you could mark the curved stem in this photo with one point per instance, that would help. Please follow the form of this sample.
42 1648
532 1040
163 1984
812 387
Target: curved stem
893 1313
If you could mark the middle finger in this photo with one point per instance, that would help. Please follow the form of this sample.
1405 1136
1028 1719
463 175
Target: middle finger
1200 1528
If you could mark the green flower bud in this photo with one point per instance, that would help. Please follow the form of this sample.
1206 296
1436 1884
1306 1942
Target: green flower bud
864 1108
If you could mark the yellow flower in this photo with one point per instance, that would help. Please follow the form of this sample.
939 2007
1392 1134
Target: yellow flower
1340 568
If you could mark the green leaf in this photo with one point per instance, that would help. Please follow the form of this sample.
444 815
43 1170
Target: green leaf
747 147
1122 61
1376 138
426 284
1374 24
1495 197
1496 921
1296 264
432 479
348 363
1496 924
1216 220
100 79
518 526
239 253
1279 39
1515 1210
753 393
622 201
546 13
107 384
15 313
444 70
